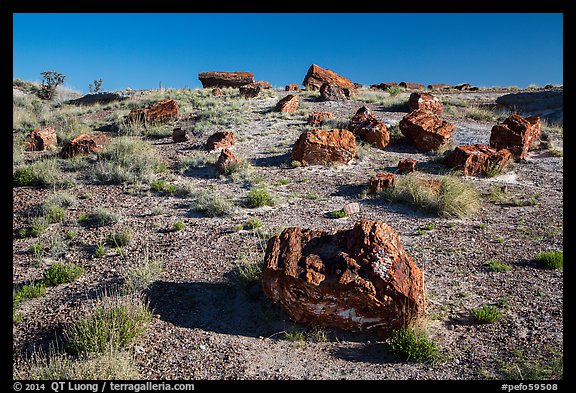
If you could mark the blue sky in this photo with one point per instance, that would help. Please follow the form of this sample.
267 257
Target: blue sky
140 50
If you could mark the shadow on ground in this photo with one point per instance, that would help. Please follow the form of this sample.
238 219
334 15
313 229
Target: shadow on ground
273 161
224 308
210 306
370 353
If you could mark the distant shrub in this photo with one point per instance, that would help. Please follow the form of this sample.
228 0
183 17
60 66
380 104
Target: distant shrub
138 276
337 214
99 216
492 169
479 114
61 199
37 226
37 249
295 335
95 86
163 187
550 259
42 173
54 213
246 274
196 160
394 90
100 251
111 365
28 291
50 81
253 223
23 176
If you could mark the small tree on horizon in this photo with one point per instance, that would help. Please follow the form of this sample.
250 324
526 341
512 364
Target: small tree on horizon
95 88
50 81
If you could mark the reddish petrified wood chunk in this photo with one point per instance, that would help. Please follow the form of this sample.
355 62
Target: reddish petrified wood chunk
292 87
406 166
41 139
226 160
323 147
426 102
225 79
380 182
369 128
478 159
516 134
318 118
157 112
317 76
359 279
426 130
288 104
220 140
84 144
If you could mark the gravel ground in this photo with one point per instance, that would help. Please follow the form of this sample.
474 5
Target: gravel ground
206 328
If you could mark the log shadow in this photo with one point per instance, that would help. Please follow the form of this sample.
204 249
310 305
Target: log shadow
216 307
202 172
397 207
270 161
226 308
375 353
350 190
402 145
460 319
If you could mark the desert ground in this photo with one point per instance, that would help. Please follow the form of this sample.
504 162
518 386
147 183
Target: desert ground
208 320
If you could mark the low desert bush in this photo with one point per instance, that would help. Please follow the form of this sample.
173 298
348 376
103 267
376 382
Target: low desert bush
111 325
110 365
140 274
479 114
212 203
120 238
487 314
551 259
259 196
497 266
61 273
413 344
43 173
128 160
100 216
455 198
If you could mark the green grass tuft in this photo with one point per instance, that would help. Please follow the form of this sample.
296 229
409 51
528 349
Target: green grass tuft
497 266
112 325
551 259
258 196
487 314
60 273
411 344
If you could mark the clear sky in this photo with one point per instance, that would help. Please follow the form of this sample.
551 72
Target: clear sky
140 50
